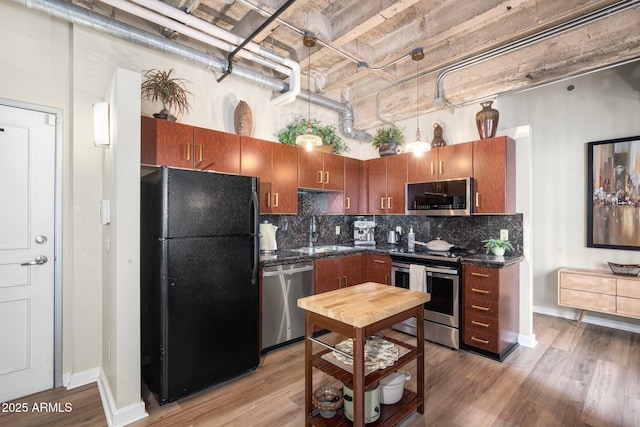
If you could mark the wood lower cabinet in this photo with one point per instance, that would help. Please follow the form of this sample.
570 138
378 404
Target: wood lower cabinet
494 172
491 309
387 177
276 165
600 291
377 268
337 272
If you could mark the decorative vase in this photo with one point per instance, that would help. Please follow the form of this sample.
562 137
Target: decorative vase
388 148
498 251
438 140
487 120
243 119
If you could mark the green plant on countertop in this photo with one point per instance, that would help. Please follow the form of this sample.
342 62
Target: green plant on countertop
298 126
491 244
388 134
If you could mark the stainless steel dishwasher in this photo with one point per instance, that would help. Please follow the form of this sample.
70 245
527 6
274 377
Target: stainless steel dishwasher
282 285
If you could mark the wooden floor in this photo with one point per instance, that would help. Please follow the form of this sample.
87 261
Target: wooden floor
576 376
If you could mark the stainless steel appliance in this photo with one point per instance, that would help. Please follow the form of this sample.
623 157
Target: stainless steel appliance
363 233
199 280
449 197
443 281
282 285
393 237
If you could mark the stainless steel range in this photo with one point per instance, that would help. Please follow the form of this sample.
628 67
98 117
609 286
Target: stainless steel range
443 281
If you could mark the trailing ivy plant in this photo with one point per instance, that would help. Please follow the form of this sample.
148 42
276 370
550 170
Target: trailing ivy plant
298 126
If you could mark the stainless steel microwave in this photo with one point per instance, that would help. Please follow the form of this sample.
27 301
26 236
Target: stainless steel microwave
449 197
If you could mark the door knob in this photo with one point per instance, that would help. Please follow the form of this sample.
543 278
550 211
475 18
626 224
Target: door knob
39 260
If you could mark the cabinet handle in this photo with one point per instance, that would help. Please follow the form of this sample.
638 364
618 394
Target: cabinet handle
479 291
276 200
379 261
432 171
339 282
477 200
388 202
480 275
346 282
319 177
479 340
347 202
440 167
475 322
186 151
269 199
479 307
326 177
386 279
200 158
382 203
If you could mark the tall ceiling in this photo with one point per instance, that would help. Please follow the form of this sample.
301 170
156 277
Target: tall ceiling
479 48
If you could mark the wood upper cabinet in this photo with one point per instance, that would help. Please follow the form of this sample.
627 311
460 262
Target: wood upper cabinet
276 165
352 185
377 268
166 143
321 171
386 178
338 272
178 145
447 162
216 151
494 171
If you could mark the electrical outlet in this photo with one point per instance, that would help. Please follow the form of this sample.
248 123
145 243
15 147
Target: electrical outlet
504 234
337 229
399 229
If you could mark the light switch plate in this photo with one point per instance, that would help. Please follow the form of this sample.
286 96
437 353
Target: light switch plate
337 229
504 234
399 229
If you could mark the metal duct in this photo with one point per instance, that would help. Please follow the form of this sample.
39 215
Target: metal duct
84 17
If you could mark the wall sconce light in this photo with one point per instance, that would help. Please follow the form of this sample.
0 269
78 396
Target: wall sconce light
101 124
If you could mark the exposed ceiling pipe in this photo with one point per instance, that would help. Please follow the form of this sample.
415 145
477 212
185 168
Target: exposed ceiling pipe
87 18
621 6
221 38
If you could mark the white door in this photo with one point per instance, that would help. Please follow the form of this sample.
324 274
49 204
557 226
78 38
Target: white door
27 173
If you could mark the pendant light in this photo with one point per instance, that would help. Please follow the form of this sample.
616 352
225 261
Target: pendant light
417 147
309 140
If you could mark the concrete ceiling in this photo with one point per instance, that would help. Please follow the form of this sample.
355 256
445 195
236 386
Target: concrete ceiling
486 47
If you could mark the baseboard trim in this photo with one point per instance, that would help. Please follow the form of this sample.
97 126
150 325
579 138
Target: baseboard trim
528 340
589 317
78 379
122 416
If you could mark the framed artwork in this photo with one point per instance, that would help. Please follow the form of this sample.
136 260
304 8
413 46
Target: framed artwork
613 194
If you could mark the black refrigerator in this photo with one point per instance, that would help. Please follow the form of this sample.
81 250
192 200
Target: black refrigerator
199 279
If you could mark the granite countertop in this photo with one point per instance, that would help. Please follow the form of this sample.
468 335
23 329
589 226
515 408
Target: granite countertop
285 256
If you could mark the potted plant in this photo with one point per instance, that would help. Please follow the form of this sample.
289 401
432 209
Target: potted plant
497 246
171 91
388 139
328 133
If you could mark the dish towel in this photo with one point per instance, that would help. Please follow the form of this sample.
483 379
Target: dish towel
417 277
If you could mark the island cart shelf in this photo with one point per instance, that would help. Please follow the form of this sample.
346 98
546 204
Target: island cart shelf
357 312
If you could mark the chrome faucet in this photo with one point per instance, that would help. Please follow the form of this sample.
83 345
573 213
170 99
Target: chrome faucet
313 232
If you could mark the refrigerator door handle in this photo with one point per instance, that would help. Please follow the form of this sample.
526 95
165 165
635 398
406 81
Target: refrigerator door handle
255 216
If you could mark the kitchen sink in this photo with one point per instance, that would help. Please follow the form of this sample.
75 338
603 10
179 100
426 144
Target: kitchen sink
320 249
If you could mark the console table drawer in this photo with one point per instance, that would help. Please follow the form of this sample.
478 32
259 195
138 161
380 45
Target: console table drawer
588 283
588 300
629 288
628 306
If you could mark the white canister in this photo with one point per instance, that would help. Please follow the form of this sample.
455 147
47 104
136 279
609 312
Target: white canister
392 387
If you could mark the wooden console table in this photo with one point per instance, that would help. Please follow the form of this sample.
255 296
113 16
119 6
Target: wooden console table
357 312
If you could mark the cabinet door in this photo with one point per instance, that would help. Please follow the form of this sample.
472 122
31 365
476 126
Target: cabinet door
333 172
351 267
166 143
377 268
377 177
423 168
255 160
216 151
327 275
284 179
310 169
396 181
494 171
455 161
352 183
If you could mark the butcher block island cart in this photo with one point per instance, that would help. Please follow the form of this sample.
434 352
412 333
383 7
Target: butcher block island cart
357 312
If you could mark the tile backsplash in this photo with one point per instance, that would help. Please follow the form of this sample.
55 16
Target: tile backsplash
462 231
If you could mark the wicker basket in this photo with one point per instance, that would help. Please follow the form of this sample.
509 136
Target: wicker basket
625 269
327 400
